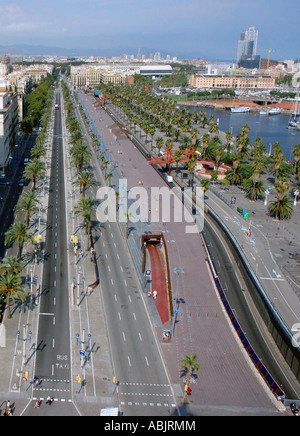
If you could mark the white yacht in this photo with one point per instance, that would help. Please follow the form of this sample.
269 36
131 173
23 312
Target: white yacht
275 111
240 109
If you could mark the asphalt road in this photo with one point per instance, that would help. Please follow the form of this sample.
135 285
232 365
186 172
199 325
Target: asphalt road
53 363
236 287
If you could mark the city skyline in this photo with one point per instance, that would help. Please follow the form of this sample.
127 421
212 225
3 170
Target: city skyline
194 28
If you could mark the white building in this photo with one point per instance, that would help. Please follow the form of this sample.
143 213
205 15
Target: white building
9 122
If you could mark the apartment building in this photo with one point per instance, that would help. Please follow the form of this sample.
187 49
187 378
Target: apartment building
9 123
230 81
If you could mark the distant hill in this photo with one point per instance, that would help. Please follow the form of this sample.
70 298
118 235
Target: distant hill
44 50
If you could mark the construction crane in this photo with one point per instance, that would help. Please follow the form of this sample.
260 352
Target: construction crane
269 54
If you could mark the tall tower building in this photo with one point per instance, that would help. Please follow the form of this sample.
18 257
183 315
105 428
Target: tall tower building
247 46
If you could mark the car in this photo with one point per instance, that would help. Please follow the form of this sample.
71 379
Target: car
294 409
21 182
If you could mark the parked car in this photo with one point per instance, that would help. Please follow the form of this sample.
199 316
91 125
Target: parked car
294 409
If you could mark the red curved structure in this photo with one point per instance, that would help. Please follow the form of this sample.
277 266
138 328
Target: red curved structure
158 281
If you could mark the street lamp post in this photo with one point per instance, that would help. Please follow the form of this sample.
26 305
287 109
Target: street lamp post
177 271
296 193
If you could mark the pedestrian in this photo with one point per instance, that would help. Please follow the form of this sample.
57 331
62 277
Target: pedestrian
9 411
49 400
37 404
154 294
7 403
4 413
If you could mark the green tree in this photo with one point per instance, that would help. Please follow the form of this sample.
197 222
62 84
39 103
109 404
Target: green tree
85 180
10 264
282 208
18 233
190 363
28 203
296 153
86 208
12 289
34 171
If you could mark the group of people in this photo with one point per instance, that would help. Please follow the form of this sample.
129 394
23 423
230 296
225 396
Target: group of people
39 402
8 410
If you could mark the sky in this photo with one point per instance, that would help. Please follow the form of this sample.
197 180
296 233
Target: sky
186 28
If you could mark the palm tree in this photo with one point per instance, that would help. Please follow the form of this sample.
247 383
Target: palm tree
34 170
296 153
80 154
18 232
37 151
127 215
85 180
205 184
205 142
109 176
177 157
87 210
10 264
28 203
257 166
11 288
189 362
282 209
254 187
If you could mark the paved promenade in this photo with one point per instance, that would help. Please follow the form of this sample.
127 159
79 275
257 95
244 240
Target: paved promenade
226 382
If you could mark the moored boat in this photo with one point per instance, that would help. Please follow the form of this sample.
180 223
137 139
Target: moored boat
275 111
240 109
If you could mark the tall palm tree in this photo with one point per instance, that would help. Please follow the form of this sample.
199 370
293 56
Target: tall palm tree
11 288
189 362
127 215
80 154
28 203
205 184
296 153
86 208
10 264
205 142
85 180
254 187
177 157
257 166
282 209
109 176
34 170
18 232
37 151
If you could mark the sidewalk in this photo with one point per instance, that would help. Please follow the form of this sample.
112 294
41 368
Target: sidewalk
18 339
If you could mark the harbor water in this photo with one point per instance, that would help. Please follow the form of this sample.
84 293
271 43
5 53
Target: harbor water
270 128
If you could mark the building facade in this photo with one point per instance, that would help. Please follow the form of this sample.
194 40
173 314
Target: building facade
247 47
230 81
9 122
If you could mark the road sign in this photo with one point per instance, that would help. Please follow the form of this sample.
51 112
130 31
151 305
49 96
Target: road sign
148 272
82 353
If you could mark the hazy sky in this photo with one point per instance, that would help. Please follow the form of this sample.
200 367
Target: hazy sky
197 28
